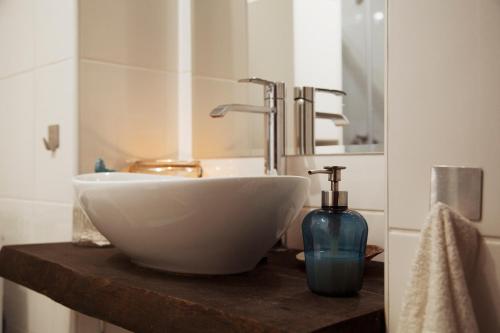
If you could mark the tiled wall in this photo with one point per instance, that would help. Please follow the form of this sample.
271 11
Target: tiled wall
220 58
37 88
443 109
128 81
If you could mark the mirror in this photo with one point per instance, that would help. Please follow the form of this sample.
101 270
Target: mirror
333 44
151 71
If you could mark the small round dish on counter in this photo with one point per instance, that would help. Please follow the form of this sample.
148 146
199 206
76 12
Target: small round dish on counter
371 252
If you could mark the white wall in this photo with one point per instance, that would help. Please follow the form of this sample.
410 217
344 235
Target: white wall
220 58
443 107
129 79
37 88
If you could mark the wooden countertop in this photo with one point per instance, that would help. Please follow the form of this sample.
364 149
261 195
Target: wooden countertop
101 282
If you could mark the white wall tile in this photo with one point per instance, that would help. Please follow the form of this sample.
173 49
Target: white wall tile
136 33
401 247
486 286
55 30
364 178
55 103
126 113
267 23
271 32
316 56
24 221
52 222
16 218
17 128
233 167
34 33
16 36
185 116
376 230
220 38
293 237
235 135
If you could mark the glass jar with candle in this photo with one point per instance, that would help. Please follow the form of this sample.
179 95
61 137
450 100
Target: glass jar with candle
190 169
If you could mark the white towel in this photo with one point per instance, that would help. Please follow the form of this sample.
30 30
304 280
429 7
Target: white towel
437 298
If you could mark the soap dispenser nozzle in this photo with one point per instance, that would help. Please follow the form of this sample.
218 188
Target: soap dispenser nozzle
334 197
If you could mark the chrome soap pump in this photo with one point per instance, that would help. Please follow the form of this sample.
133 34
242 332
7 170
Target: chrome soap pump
334 242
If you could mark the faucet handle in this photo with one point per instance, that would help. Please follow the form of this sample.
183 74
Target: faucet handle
307 93
272 89
331 91
257 80
339 119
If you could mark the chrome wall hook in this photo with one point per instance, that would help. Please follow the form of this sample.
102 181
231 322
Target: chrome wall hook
459 187
53 140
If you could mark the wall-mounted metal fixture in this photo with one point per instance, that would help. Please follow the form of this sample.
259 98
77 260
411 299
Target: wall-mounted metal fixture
52 143
458 187
305 115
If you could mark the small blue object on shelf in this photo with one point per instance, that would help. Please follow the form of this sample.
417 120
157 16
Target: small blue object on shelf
334 242
100 166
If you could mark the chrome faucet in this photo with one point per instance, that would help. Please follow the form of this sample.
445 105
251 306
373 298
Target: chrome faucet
274 111
305 115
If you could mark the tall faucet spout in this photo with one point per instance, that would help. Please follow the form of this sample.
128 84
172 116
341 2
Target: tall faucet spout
274 113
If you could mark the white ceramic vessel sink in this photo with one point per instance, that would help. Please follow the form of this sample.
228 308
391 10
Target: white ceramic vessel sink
197 226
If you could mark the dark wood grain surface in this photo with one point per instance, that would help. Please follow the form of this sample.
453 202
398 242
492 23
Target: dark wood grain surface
272 298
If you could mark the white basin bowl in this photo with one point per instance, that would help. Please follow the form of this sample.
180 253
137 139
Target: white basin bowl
196 226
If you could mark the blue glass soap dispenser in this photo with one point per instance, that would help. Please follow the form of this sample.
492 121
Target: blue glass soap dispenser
334 242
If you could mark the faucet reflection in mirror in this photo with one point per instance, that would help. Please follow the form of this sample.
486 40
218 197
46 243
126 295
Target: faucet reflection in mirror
274 111
306 115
